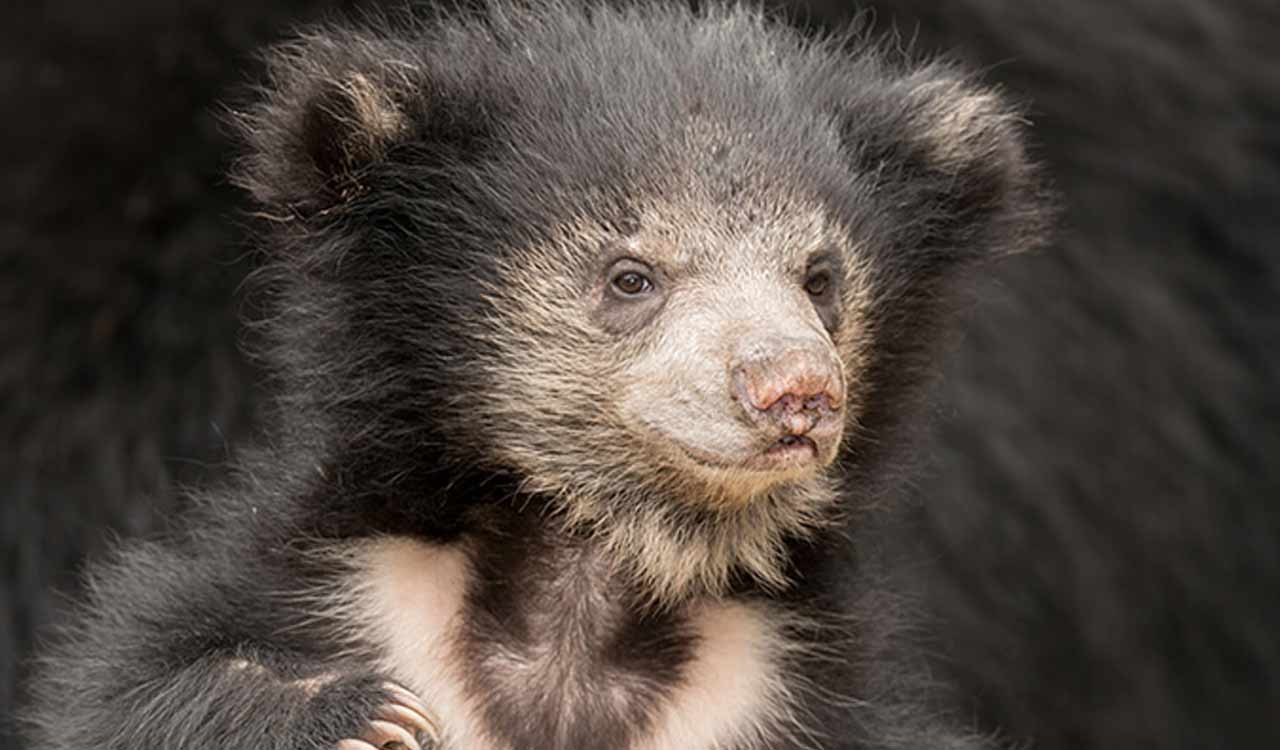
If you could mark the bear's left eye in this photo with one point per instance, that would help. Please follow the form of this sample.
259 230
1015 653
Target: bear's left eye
632 283
822 284
818 283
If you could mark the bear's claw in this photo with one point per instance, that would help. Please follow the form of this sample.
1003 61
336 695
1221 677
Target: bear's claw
403 723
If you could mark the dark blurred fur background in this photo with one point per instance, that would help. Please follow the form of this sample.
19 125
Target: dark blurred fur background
1098 534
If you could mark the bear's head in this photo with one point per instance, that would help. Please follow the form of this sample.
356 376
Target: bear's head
678 274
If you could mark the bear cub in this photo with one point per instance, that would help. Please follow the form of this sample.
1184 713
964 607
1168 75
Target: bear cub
596 329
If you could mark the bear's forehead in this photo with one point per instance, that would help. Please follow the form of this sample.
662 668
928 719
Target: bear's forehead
697 189
692 180
708 233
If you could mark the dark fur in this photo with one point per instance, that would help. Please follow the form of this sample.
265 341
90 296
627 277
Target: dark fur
399 171
121 376
1076 661
1101 515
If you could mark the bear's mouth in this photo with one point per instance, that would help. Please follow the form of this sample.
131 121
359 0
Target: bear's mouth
792 447
787 454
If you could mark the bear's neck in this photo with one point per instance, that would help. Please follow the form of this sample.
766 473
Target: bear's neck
521 635
671 557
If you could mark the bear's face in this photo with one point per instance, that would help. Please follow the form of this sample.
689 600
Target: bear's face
666 269
736 378
705 350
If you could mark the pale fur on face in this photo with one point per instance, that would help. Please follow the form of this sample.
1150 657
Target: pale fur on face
606 423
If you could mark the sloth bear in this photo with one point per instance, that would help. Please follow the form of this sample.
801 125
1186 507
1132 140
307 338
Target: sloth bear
1099 537
599 332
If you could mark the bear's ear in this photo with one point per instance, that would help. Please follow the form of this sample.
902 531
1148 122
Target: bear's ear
951 156
331 111
347 125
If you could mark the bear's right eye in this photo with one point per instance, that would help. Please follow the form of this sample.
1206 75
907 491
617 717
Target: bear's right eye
632 283
632 294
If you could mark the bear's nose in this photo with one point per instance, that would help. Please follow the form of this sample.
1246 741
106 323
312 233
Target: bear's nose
793 385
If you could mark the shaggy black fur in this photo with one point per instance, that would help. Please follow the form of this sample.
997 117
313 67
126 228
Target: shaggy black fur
121 372
409 180
1109 558
1102 514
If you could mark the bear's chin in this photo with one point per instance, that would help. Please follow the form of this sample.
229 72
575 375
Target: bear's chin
724 480
690 538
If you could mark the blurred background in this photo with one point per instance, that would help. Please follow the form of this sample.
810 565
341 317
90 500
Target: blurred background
1097 532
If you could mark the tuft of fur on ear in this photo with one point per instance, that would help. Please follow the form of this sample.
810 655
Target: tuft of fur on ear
347 125
332 107
952 153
